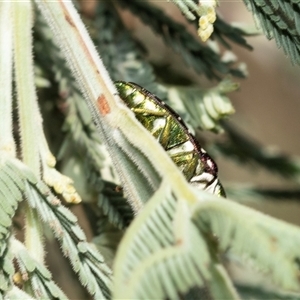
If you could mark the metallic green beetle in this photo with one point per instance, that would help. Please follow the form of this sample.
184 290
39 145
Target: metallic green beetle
168 128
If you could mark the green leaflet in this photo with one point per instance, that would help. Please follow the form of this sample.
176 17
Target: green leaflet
170 131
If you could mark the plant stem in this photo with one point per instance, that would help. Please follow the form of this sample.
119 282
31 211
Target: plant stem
29 116
7 143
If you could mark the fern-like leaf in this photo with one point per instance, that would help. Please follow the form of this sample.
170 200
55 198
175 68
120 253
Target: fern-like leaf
266 242
64 225
34 273
160 244
280 20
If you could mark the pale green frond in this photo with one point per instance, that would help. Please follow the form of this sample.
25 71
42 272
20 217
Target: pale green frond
269 243
34 273
13 185
70 235
163 255
65 228
11 193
